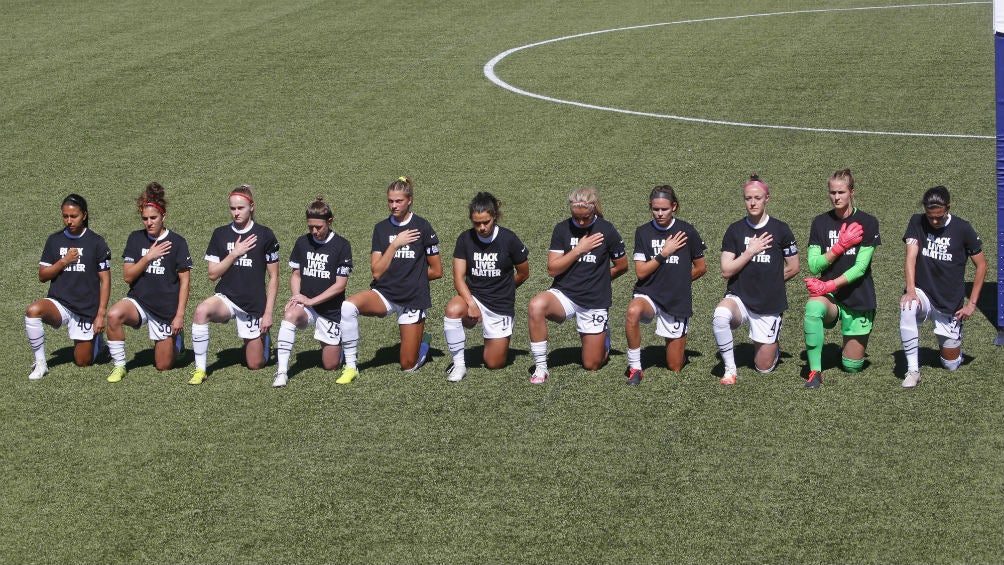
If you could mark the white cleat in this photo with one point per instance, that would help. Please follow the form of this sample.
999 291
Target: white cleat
38 370
280 380
911 379
455 373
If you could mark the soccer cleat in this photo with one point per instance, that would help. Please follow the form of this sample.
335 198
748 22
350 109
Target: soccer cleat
348 374
815 379
280 380
198 375
38 370
634 377
539 376
729 379
117 373
911 379
455 373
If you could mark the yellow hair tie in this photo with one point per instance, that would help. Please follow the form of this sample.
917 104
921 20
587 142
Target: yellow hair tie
402 179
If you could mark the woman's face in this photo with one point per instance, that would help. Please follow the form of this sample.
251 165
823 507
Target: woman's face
240 210
399 204
936 216
583 216
483 223
662 211
841 194
73 219
755 198
318 228
153 221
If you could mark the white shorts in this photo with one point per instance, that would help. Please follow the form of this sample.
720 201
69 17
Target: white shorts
248 326
764 328
945 323
405 316
157 329
76 327
666 325
587 321
493 325
325 331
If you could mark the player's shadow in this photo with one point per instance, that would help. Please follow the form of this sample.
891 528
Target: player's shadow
744 355
391 356
927 357
63 356
654 356
147 358
232 357
831 359
304 360
475 356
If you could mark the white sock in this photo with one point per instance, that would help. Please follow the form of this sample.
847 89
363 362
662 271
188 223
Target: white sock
284 345
953 364
349 326
721 326
117 350
634 358
538 349
456 339
36 338
200 344
911 337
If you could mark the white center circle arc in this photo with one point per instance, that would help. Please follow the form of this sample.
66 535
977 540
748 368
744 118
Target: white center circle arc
489 72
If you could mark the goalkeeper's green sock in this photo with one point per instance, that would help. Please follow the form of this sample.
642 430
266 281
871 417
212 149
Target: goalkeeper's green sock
814 337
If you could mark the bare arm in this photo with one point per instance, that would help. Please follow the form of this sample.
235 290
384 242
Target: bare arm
464 291
435 270
217 270
792 267
270 294
980 261
178 323
132 271
698 269
559 262
910 269
105 280
522 273
48 272
732 263
380 261
619 267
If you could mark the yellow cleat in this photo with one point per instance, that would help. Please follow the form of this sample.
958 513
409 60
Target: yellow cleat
198 376
348 374
117 373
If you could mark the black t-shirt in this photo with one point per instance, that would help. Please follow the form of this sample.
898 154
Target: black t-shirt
860 294
669 286
490 266
760 284
587 281
77 287
157 287
244 282
406 280
941 264
319 262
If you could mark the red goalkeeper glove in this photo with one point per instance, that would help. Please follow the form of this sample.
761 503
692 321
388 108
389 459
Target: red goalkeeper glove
818 288
849 236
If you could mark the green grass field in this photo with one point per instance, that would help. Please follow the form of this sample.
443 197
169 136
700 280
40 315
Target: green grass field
302 98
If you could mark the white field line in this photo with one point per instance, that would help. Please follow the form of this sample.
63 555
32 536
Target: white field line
489 72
